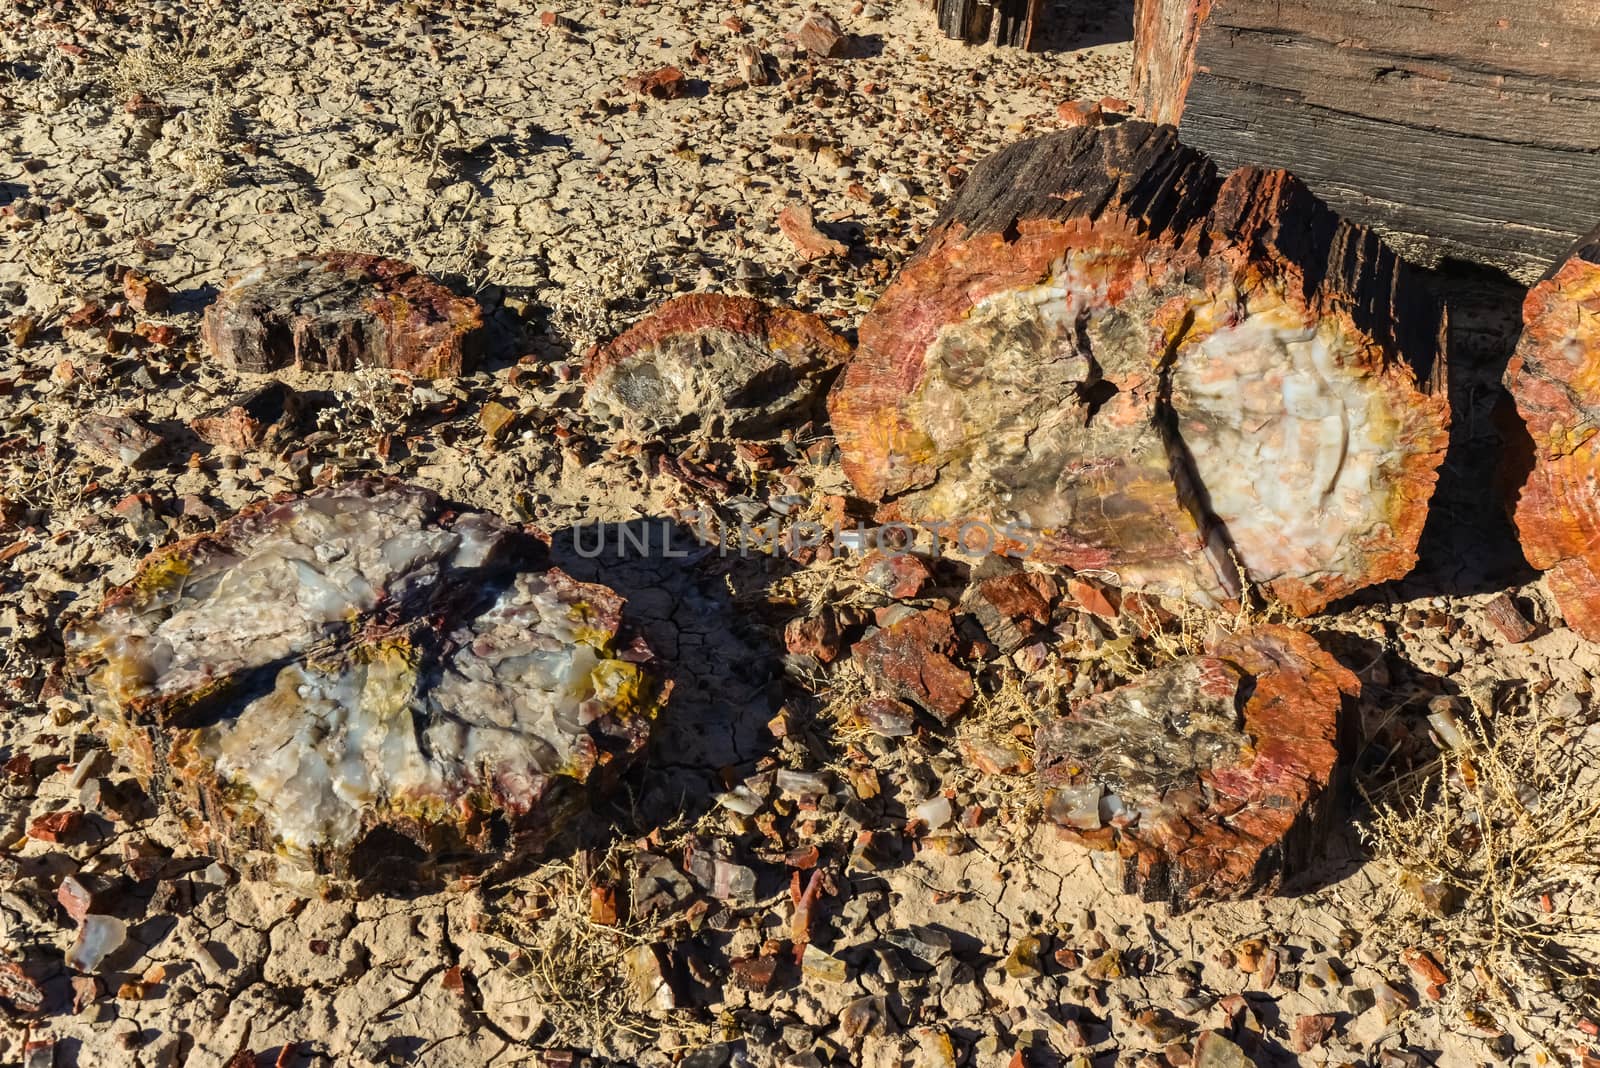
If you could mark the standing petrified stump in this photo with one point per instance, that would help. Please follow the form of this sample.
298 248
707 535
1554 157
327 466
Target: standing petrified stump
709 361
1554 379
339 311
1210 778
363 684
1107 357
1009 23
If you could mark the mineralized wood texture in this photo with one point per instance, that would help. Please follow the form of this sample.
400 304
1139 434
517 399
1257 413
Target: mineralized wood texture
709 360
999 22
1211 778
362 684
1554 379
1108 357
340 311
1464 128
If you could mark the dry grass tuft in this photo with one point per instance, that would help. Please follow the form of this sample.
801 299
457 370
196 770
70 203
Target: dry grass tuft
1501 835
207 52
575 965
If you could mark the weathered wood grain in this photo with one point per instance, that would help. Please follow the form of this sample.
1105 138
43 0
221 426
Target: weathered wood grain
1458 129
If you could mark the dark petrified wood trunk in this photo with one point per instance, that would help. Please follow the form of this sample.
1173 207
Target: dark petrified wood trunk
1105 356
1211 778
999 22
340 311
711 361
1465 130
1554 379
362 684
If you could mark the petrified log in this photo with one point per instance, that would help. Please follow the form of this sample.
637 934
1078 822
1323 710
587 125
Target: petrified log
1107 357
1465 130
366 685
1210 778
998 22
706 360
1554 380
339 311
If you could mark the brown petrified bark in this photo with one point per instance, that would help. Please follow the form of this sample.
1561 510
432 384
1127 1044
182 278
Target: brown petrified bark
1210 778
1554 379
1465 130
339 311
364 685
1105 356
706 360
999 22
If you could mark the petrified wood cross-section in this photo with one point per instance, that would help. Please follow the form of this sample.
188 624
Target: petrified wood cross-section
1211 777
365 684
339 311
709 361
1554 379
1132 364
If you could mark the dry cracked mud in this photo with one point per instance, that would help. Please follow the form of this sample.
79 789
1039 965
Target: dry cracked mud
797 871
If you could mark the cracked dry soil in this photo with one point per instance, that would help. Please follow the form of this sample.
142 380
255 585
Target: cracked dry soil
501 152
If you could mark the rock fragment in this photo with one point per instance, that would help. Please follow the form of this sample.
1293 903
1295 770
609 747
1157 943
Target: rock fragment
709 361
755 66
663 83
911 660
98 937
145 294
820 34
20 989
799 225
1554 380
362 684
1107 356
250 420
338 311
1210 778
116 440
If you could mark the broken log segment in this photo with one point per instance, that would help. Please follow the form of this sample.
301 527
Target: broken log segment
1554 380
365 685
1463 130
707 360
339 311
1210 778
1107 357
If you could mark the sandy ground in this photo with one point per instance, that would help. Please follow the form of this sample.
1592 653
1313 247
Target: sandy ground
505 156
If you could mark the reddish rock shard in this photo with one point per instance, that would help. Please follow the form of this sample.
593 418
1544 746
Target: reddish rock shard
1111 358
1554 379
910 659
363 684
1211 778
339 311
707 361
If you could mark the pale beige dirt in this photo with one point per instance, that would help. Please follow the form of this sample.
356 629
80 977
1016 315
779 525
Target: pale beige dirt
508 158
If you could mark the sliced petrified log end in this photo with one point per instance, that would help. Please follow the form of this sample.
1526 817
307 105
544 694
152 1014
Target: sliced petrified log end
1209 778
338 311
365 685
1117 361
708 357
1554 380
